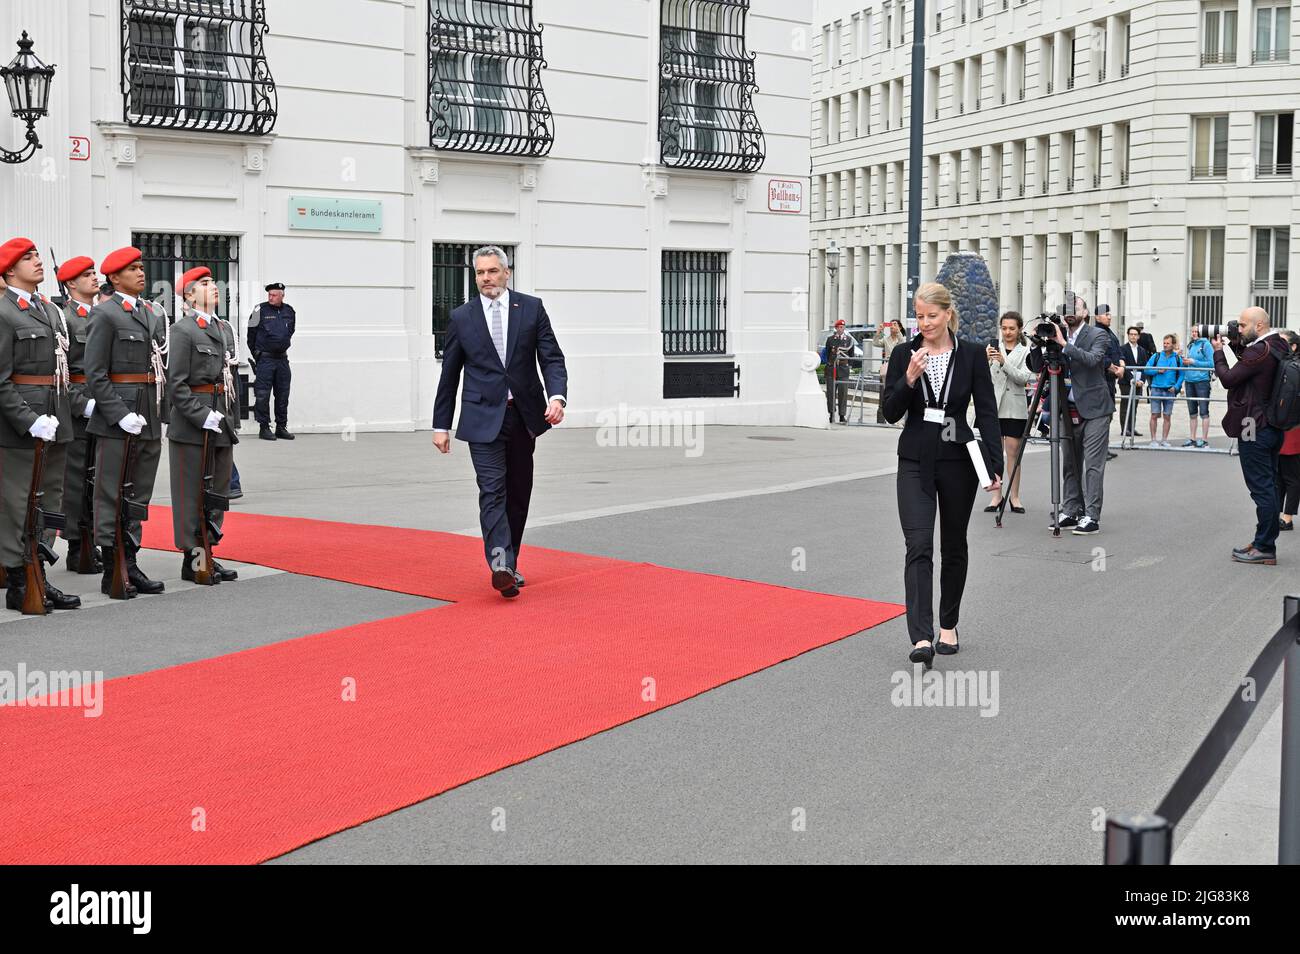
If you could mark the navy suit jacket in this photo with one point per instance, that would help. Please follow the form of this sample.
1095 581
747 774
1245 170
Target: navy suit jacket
530 344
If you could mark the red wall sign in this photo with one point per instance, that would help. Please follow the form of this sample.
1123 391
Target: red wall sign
79 148
784 195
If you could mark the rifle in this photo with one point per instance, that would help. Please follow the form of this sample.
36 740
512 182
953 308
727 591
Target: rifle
86 519
63 289
211 504
36 552
128 510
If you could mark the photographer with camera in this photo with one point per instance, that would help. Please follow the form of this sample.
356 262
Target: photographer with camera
1259 350
1086 421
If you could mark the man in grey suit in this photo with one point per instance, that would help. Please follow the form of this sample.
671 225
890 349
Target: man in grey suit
1083 461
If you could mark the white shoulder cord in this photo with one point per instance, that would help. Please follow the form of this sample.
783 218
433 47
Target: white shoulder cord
62 376
158 362
230 361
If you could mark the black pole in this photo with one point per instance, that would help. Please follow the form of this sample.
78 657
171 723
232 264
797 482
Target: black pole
914 156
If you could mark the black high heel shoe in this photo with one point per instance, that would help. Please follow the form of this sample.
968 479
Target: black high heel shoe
948 649
922 654
1015 509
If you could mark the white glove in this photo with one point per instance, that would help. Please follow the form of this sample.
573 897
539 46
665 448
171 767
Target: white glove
44 427
213 423
90 409
132 423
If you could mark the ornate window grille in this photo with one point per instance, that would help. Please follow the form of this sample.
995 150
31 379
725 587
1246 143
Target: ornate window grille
197 64
485 78
168 255
706 87
453 284
694 302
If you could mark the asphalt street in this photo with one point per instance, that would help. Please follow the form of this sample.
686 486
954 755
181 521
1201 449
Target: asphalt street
1112 654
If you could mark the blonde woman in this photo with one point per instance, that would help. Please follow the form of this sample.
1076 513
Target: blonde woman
932 380
1010 372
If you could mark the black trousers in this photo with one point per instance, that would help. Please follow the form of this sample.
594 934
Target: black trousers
955 485
841 385
272 373
1288 482
505 486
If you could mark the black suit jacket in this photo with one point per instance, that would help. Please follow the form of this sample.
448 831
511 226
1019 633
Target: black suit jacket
970 380
530 344
1143 356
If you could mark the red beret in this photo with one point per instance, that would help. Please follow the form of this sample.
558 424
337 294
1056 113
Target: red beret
193 275
12 250
74 267
116 261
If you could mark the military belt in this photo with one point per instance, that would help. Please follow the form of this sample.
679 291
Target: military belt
48 380
141 377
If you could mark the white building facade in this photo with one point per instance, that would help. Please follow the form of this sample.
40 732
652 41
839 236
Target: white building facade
1138 153
358 150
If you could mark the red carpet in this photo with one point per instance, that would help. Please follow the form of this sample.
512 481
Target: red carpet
262 748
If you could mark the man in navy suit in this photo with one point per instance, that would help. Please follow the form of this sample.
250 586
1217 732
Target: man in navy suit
500 339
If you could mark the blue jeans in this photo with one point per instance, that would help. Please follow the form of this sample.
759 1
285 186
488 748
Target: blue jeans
1195 390
1162 402
1259 467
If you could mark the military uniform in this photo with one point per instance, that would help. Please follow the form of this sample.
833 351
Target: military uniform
77 316
200 380
270 332
33 383
124 358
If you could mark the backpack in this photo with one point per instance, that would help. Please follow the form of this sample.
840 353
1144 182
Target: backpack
1284 400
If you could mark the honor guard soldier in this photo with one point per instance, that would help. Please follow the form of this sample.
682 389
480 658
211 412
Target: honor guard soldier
200 382
77 276
270 332
34 405
126 376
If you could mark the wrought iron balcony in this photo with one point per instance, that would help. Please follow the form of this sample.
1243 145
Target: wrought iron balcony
1218 58
197 64
1272 169
1217 170
706 87
485 79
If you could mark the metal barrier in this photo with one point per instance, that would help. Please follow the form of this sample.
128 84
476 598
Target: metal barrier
1148 839
1128 430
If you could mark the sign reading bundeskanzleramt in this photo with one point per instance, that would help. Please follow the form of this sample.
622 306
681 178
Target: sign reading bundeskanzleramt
336 215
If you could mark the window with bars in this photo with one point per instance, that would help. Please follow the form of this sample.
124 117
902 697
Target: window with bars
1272 34
197 64
168 255
485 78
694 305
1205 281
706 87
1209 147
1269 281
1276 139
1218 35
454 285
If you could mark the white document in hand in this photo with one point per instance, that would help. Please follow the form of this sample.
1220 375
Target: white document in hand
977 458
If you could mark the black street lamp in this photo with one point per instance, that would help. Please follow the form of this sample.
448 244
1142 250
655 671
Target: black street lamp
27 81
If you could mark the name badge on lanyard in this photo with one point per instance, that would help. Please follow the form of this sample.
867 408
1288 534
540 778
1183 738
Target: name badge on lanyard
935 406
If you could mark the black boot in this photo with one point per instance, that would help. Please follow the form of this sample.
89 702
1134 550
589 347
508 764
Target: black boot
187 570
73 561
223 573
141 582
17 588
57 599
106 582
282 433
266 433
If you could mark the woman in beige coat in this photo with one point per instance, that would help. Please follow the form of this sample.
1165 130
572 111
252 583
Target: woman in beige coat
1007 364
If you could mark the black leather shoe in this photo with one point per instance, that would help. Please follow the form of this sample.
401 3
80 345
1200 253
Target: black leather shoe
1284 525
922 654
73 560
947 649
17 588
282 433
224 574
266 433
187 571
141 582
56 598
503 581
106 581
519 580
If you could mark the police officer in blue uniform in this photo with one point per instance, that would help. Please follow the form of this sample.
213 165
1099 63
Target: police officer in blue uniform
270 332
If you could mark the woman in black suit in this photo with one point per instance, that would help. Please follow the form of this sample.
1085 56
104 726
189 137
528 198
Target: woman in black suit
932 380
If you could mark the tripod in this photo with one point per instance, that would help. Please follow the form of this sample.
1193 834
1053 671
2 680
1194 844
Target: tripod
1048 376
